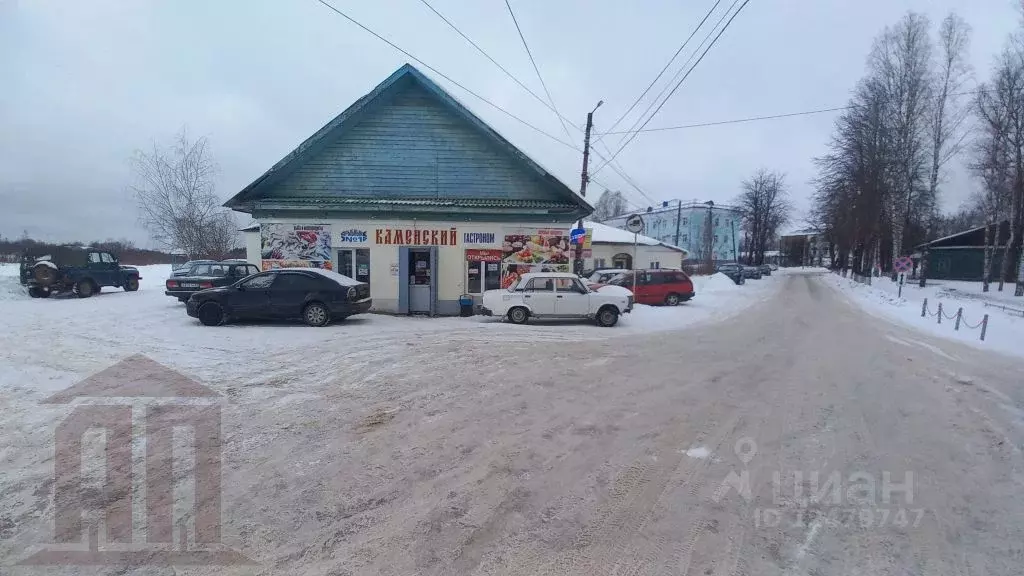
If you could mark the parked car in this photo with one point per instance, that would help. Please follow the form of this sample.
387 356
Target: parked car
603 276
733 271
315 296
774 267
205 276
658 286
557 295
186 267
751 272
81 270
765 269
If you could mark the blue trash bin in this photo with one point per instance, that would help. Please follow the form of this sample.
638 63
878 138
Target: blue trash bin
465 305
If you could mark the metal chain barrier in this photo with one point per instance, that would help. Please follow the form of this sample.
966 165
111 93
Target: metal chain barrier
958 317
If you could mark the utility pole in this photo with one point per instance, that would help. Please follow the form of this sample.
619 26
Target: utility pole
709 239
679 219
578 253
735 256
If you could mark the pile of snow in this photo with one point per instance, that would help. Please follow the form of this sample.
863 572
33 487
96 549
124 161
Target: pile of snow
715 283
339 278
1005 328
10 286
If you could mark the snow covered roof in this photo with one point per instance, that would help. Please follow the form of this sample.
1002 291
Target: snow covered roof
605 234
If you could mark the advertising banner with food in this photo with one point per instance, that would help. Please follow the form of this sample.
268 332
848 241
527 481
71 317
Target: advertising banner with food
543 250
295 246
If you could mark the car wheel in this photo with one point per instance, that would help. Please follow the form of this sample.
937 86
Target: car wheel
672 300
211 314
607 316
518 315
35 292
44 274
84 288
132 284
316 314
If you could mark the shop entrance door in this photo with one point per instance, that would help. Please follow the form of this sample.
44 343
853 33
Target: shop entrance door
422 278
354 263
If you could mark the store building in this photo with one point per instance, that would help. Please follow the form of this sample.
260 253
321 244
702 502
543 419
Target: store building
696 227
615 248
411 192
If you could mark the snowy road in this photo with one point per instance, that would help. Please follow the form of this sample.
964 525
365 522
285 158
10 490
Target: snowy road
527 453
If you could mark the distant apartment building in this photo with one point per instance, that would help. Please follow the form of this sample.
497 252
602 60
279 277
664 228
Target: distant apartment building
685 225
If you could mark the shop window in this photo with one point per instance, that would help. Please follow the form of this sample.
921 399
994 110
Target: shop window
655 265
684 238
599 263
716 221
686 221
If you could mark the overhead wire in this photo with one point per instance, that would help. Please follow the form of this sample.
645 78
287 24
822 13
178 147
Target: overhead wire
662 72
496 63
543 84
617 167
630 139
447 77
770 117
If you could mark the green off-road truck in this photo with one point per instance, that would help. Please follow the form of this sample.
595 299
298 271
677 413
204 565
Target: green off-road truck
81 270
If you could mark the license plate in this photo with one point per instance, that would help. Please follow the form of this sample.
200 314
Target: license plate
189 285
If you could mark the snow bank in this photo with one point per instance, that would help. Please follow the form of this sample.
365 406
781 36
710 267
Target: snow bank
10 286
882 298
339 278
715 283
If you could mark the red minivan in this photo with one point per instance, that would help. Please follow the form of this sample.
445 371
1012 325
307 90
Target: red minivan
658 286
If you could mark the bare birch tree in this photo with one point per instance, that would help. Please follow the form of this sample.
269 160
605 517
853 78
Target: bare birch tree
765 207
174 189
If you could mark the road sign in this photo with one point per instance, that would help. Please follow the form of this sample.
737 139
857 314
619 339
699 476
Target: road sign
903 264
576 235
635 223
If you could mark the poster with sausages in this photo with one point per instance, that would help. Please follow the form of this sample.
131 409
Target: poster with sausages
295 246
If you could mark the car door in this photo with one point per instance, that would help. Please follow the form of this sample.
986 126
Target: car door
539 295
288 294
643 287
111 269
98 270
251 298
571 298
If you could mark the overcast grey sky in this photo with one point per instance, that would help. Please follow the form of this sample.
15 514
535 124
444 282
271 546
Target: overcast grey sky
84 83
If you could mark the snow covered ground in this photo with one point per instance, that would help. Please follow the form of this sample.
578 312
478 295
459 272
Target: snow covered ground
47 345
1005 327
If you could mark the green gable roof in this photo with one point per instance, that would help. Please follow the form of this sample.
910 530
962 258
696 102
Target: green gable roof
409 147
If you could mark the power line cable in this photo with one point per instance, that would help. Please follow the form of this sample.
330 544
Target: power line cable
536 69
681 80
460 85
771 117
620 170
448 78
496 63
678 72
660 74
